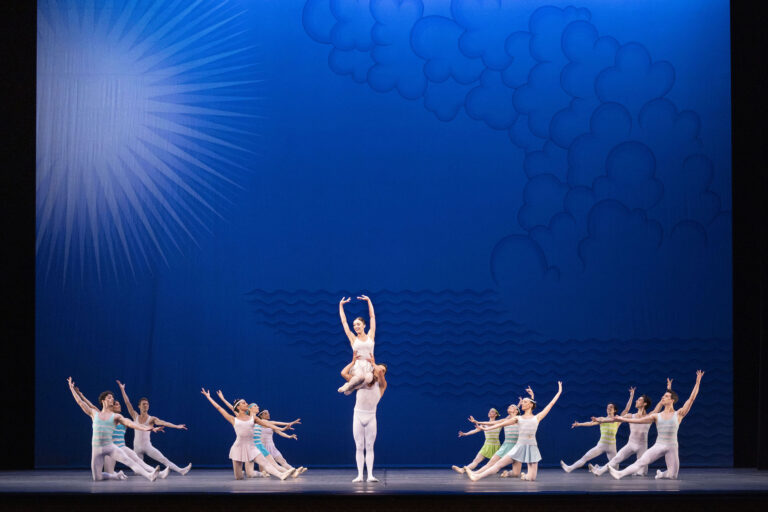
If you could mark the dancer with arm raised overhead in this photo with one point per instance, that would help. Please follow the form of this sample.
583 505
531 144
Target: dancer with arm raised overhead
142 444
363 344
104 422
667 424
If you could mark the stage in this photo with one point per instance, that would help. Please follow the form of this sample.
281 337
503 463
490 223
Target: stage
439 488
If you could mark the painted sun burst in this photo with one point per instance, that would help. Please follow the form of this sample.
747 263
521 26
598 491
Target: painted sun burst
146 115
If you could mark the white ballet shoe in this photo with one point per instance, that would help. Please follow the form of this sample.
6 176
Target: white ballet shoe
458 469
591 468
659 474
565 467
504 474
358 479
164 473
344 388
614 473
295 472
285 474
121 476
523 476
302 470
185 469
472 476
153 475
372 478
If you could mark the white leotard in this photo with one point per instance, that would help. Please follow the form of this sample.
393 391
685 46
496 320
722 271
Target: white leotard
638 432
141 437
364 349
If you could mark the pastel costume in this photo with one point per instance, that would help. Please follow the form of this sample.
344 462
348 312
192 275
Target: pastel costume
364 349
511 433
118 439
258 438
637 445
142 445
492 443
269 443
102 448
526 449
606 445
665 446
243 449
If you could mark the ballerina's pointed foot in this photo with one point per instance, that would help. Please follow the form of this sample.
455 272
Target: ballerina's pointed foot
358 479
296 472
565 467
659 474
504 474
302 470
523 476
458 469
285 474
164 473
343 389
372 478
185 469
614 473
121 476
591 468
472 476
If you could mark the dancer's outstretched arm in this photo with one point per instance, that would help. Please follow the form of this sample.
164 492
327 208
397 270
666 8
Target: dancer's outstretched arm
688 403
87 410
84 399
485 423
344 323
283 434
629 402
585 424
227 416
168 424
499 424
372 324
470 433
224 400
546 410
658 404
127 401
605 419
119 418
288 424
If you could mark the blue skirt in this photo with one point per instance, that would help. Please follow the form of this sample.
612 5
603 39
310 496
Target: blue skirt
525 453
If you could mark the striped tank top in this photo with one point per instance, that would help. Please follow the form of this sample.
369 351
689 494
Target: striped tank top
102 430
527 432
118 436
257 435
511 432
667 430
492 436
608 432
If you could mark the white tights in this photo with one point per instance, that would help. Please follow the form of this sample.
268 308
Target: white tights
493 467
602 448
99 453
154 453
364 432
110 461
628 450
269 465
655 452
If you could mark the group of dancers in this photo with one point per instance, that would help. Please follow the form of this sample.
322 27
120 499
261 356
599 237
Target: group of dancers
520 437
254 429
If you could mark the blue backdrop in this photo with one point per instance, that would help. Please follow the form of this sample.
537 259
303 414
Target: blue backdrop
528 191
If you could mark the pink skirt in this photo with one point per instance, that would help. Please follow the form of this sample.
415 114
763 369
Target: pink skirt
243 451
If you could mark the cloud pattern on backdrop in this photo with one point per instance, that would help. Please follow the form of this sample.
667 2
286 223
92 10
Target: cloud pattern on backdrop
618 216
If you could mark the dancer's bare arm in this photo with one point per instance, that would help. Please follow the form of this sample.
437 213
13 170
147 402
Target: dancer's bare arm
87 410
344 323
546 410
648 418
287 436
224 401
345 372
127 401
84 399
585 423
629 402
498 424
168 424
685 409
658 404
371 315
227 416
470 433
119 418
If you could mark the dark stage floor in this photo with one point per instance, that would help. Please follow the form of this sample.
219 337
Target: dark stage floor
392 481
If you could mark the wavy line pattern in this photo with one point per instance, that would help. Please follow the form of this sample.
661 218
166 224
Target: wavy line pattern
479 353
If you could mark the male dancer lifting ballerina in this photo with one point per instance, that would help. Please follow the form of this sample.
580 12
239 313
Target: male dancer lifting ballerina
364 420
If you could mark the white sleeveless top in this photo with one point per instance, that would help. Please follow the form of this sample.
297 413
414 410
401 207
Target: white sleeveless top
141 437
364 348
367 398
638 432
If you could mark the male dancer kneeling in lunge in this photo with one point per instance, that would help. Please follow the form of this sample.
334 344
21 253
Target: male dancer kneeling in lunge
667 424
104 422
141 442
364 418
638 436
118 439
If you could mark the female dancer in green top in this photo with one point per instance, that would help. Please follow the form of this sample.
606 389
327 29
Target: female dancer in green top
490 446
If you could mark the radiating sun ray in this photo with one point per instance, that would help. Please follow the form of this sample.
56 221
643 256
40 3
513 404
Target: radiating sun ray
140 110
